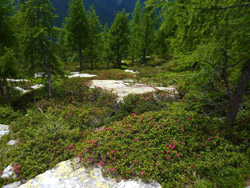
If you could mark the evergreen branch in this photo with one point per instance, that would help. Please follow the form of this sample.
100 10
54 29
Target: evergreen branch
226 7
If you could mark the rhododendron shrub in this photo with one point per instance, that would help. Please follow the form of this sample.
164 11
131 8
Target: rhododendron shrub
141 103
173 148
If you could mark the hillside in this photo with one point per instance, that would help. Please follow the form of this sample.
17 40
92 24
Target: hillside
106 9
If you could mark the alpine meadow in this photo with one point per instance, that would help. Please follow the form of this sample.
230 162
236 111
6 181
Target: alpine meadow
125 94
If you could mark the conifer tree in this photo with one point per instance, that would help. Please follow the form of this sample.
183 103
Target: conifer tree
77 29
149 22
36 37
135 36
7 39
119 36
106 52
93 48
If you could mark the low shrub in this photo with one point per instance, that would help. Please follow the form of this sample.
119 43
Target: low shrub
141 103
44 152
7 115
173 148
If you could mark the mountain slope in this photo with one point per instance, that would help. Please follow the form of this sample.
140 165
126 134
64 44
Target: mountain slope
106 9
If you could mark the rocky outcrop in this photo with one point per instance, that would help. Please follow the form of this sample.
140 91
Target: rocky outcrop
4 129
64 176
122 87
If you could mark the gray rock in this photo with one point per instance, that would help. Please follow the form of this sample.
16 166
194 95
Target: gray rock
4 129
12 142
8 172
64 176
122 88
13 185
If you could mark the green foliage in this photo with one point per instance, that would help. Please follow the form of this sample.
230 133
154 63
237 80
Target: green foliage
7 115
93 50
44 152
6 31
171 147
135 36
77 30
139 104
119 36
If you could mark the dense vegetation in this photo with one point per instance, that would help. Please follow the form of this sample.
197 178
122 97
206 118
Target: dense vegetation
198 138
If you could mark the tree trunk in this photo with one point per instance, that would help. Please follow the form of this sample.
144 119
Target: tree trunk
238 94
92 57
224 70
44 60
49 84
1 88
118 55
7 91
144 56
146 44
80 54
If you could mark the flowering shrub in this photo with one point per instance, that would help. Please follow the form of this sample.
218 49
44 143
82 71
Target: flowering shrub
44 152
141 103
173 148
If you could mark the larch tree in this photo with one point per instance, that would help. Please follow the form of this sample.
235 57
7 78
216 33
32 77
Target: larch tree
77 28
212 38
149 23
7 39
93 47
119 36
37 20
106 52
135 36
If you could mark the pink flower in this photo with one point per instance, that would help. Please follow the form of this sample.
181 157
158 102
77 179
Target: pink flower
209 138
177 155
107 154
170 146
168 157
117 180
192 166
42 138
113 169
183 130
79 155
147 98
215 137
101 163
142 173
198 155
179 142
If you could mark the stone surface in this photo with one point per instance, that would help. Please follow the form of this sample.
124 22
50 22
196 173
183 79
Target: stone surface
131 71
81 75
4 129
39 74
8 172
13 185
17 80
21 90
63 176
12 142
37 86
122 88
